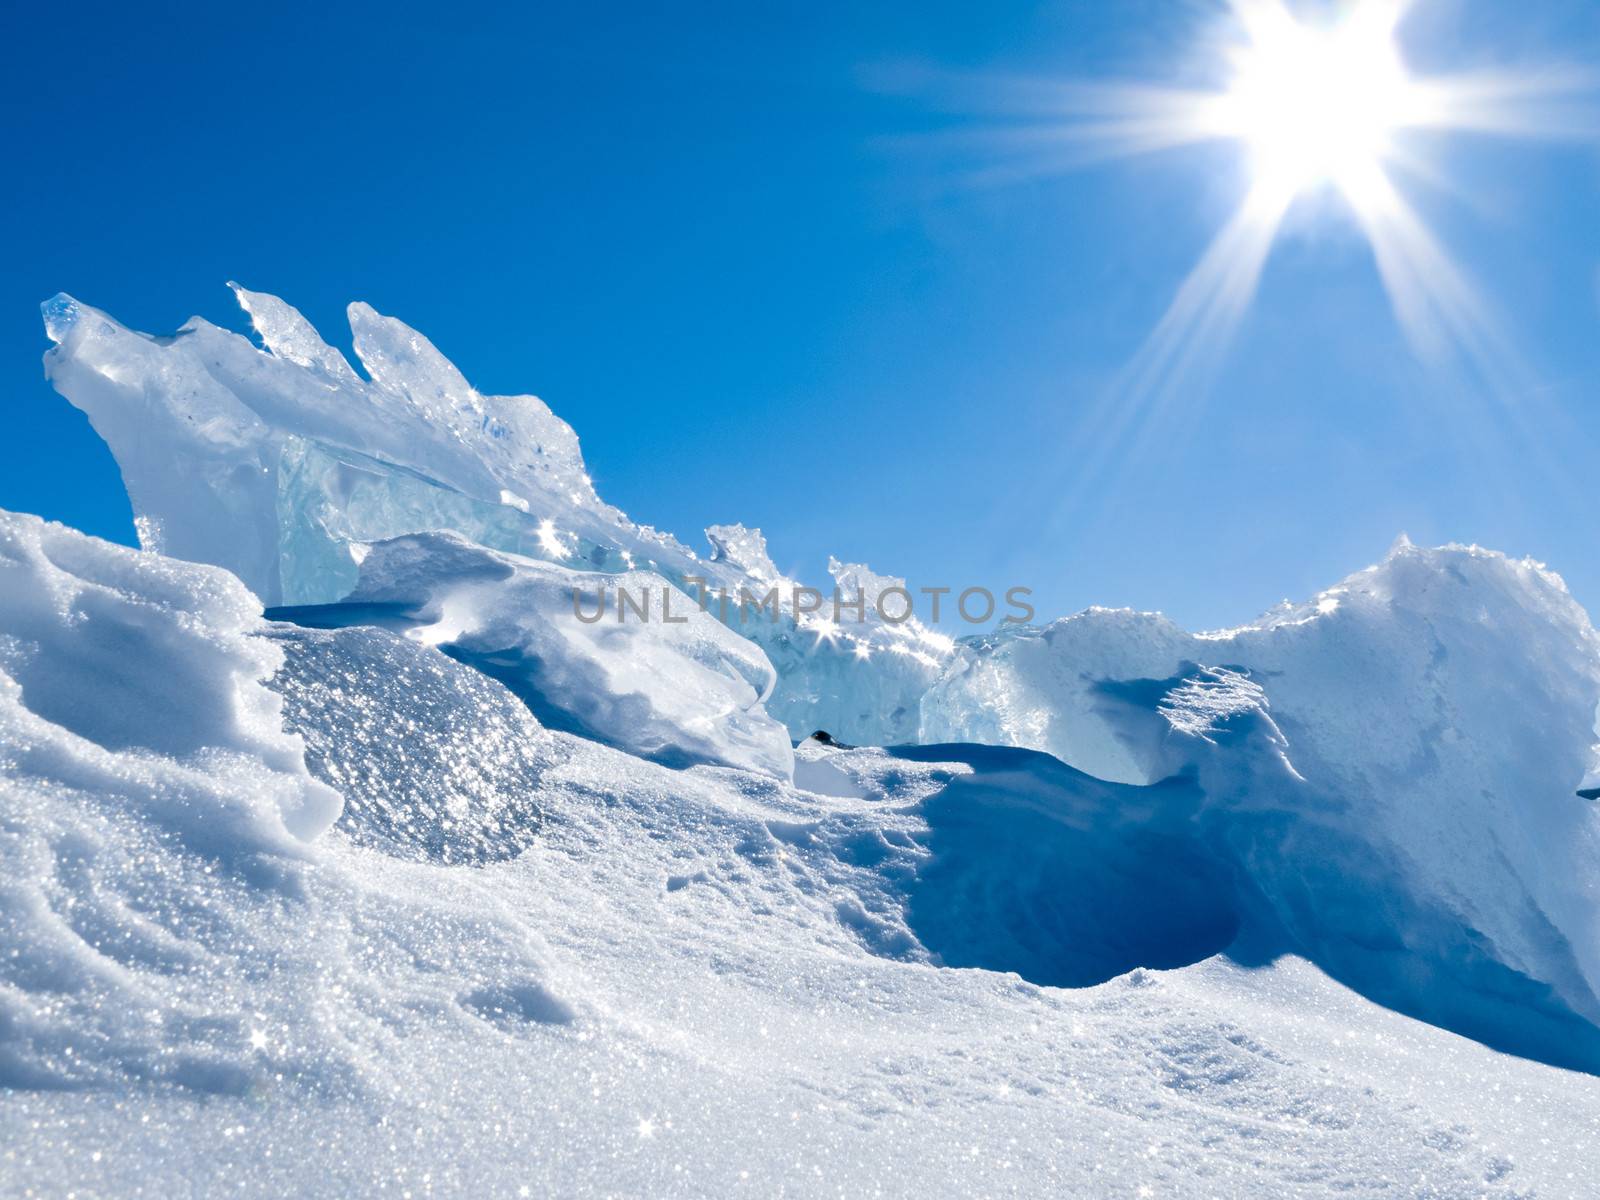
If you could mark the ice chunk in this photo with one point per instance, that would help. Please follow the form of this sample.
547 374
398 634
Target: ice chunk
843 663
746 550
1042 688
865 685
643 669
291 337
434 760
292 463
290 457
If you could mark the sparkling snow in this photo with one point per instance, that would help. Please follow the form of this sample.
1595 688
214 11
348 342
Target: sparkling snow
424 887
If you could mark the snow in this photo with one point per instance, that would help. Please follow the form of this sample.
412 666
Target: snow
1401 753
417 881
690 982
133 673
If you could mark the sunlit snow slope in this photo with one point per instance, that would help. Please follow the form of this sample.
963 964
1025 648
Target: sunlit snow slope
691 981
415 879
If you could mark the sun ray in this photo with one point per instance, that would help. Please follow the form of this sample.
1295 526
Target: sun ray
1436 304
1329 106
1213 299
1188 343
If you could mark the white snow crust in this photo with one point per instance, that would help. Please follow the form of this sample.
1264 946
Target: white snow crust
691 982
416 883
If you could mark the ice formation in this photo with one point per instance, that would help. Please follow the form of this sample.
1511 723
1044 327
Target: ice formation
428 884
292 462
291 459
662 680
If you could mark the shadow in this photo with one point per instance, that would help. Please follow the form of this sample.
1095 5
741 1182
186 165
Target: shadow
1063 878
1068 881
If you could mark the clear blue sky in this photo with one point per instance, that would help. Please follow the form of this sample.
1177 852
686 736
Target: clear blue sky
715 243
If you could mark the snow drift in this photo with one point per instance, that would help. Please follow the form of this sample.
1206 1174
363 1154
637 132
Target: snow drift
1405 799
1385 774
169 916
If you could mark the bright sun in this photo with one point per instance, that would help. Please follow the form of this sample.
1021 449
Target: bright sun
1319 105
1314 105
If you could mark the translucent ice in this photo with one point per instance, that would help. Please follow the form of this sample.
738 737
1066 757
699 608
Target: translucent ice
290 456
577 647
291 462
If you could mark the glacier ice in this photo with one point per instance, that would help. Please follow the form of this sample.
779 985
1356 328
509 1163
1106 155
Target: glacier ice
681 688
292 462
350 462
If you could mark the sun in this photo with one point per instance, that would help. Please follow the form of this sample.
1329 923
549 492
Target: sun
1324 102
1319 105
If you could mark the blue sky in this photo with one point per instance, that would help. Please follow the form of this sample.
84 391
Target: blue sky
763 287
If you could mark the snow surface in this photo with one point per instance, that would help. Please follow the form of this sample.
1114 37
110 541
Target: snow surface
691 982
424 885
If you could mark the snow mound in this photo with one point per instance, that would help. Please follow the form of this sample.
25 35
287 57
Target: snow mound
678 687
434 760
139 675
1396 760
169 921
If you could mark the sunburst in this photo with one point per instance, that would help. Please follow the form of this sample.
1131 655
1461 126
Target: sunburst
1315 106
